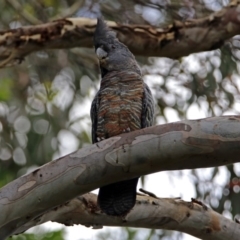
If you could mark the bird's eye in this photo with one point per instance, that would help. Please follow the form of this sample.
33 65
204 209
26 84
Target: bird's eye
101 53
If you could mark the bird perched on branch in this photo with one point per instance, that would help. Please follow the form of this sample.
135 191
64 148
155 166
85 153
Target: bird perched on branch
123 104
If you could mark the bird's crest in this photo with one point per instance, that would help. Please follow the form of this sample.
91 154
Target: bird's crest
112 54
103 33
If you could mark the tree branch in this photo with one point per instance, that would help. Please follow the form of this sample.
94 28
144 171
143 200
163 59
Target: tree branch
181 145
149 212
177 40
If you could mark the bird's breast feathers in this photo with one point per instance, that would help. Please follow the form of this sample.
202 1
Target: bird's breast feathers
120 107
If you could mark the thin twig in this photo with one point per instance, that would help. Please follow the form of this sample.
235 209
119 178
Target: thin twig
70 11
19 9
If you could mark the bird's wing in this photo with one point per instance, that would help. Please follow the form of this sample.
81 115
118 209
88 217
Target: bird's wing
147 108
94 116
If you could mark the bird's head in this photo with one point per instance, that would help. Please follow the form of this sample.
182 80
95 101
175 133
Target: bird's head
112 54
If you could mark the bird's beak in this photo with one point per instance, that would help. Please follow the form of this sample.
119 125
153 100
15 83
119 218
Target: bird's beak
101 54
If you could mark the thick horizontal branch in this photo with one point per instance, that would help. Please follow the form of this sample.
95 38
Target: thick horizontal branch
193 217
177 40
181 145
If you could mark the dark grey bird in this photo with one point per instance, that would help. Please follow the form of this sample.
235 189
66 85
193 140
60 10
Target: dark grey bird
123 104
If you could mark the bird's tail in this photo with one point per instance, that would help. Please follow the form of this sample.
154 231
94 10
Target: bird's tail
118 198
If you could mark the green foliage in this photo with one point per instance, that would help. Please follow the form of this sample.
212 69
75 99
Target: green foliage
6 89
55 235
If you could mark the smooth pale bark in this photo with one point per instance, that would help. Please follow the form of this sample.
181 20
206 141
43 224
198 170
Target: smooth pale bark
176 40
181 145
192 217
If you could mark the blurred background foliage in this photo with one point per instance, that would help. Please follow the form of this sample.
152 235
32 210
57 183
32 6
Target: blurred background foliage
45 101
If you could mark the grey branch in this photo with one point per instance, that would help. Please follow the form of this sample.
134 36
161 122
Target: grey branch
176 40
182 145
149 212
